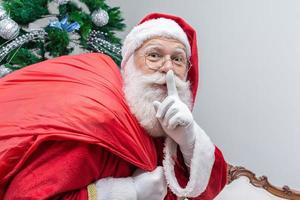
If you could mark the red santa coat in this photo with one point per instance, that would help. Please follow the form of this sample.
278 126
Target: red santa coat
64 123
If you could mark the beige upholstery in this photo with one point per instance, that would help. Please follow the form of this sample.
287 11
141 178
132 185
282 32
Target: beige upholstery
241 189
243 184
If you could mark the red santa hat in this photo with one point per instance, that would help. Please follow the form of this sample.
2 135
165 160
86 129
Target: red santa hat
203 165
158 24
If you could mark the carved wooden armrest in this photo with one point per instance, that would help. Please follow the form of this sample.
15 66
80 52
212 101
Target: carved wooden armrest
234 172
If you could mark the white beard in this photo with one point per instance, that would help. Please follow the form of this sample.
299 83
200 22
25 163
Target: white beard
142 89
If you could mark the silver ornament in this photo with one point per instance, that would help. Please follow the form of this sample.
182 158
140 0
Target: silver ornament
4 71
100 17
9 29
3 13
62 2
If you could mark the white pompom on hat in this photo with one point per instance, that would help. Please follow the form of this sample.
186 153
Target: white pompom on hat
155 27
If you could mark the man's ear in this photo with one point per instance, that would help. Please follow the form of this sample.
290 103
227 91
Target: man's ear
186 75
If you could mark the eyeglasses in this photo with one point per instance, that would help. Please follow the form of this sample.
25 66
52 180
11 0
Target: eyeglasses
155 60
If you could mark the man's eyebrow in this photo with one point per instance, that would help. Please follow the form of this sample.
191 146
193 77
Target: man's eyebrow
181 48
153 44
157 46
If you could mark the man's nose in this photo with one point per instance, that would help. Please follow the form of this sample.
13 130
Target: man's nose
168 65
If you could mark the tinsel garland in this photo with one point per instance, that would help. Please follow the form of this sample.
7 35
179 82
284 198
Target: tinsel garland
97 42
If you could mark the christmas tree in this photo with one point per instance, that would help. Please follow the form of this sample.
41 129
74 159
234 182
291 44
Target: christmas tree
35 30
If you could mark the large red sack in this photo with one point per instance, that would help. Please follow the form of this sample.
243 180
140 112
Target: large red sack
75 97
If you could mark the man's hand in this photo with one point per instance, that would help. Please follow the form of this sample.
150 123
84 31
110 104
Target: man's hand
176 119
150 185
174 116
172 111
142 185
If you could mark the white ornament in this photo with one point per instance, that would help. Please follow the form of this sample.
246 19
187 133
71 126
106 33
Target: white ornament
100 17
4 71
62 2
9 29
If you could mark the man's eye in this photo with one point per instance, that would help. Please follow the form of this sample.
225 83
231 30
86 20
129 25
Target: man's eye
153 56
178 59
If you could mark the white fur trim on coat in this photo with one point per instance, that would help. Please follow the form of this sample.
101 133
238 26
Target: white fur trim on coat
200 169
151 28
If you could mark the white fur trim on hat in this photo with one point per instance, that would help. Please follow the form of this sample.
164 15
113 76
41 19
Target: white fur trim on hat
151 28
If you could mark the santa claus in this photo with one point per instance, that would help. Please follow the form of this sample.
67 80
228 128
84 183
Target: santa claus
75 127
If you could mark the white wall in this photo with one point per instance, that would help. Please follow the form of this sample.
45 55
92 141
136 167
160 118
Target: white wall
249 100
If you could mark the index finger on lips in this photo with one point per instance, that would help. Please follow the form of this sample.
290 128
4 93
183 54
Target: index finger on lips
171 86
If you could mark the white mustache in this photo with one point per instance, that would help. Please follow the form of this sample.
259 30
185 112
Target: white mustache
160 79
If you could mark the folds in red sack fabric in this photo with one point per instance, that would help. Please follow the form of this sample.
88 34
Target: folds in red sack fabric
69 98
